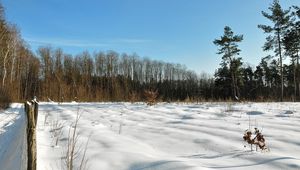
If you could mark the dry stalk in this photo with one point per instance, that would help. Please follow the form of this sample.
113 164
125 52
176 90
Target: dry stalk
56 130
73 149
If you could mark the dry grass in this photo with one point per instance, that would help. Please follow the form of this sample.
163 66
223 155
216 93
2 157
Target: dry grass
74 151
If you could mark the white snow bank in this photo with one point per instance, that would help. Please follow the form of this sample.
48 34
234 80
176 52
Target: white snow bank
13 143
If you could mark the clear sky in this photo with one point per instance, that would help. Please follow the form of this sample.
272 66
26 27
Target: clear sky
177 31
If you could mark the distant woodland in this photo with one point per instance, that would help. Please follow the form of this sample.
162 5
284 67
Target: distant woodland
51 74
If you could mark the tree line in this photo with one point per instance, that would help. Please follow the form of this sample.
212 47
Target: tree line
271 78
19 67
52 74
110 76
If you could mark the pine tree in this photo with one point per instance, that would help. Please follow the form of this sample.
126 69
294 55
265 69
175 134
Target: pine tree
291 43
281 20
229 49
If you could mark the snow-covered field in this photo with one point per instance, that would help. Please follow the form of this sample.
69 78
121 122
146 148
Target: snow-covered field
126 136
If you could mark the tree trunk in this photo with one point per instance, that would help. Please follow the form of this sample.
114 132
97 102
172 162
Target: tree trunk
13 60
297 74
281 68
295 82
234 81
4 67
12 69
233 85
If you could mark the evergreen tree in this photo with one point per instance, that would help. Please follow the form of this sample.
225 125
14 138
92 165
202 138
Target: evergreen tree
291 42
248 83
259 82
281 20
229 49
223 82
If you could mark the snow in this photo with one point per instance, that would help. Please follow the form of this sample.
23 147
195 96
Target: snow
167 136
173 136
13 138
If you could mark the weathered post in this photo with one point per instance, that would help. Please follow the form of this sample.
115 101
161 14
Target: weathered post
31 109
36 109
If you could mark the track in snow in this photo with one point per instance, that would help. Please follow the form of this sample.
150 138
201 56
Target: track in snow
13 142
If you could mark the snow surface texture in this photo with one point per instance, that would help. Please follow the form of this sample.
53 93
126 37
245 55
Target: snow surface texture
124 136
13 142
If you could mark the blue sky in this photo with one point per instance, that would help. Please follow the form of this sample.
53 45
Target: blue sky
177 31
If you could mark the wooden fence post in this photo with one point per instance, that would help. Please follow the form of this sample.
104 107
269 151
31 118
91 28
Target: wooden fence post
36 110
31 109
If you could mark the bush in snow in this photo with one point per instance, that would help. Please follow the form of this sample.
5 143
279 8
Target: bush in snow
258 140
151 96
133 97
5 99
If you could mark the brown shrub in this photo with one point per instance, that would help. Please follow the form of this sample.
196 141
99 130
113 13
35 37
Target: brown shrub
151 96
258 140
5 99
133 97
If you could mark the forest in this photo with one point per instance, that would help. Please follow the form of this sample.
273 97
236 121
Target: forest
51 74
